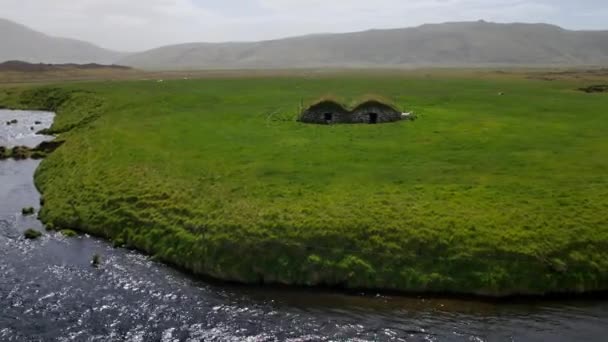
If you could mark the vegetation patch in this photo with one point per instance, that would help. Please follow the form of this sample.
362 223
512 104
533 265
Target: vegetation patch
491 195
68 233
602 88
22 66
32 234
24 152
28 211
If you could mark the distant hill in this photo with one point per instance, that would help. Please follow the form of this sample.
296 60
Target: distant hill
465 44
36 67
451 44
18 42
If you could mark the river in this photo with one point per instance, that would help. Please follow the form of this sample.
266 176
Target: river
50 292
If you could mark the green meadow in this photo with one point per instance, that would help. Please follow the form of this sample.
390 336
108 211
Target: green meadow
499 187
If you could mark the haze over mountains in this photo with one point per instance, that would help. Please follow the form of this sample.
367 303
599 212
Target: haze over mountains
452 44
18 42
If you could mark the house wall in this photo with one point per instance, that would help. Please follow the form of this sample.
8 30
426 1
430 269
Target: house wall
316 114
385 114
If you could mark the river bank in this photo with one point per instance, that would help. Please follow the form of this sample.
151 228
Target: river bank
212 195
49 291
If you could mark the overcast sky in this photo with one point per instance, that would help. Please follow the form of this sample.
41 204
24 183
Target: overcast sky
132 25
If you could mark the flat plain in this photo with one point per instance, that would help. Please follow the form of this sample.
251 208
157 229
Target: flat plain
499 187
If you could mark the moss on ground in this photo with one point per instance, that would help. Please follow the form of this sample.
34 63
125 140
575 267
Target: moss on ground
485 194
68 233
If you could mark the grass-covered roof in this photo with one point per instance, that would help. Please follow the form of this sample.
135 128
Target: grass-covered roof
354 103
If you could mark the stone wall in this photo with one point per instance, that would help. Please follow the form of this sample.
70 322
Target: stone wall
317 113
383 113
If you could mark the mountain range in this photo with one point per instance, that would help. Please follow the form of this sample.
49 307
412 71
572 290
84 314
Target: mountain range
463 44
18 42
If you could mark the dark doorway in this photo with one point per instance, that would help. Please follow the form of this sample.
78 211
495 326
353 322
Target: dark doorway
328 117
373 118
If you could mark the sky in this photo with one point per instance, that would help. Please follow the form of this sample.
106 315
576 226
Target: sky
134 25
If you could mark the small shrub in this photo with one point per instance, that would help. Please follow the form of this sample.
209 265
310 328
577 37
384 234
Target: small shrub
68 233
118 242
38 155
28 211
20 152
32 234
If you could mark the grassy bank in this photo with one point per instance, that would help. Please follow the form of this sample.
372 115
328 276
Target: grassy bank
485 193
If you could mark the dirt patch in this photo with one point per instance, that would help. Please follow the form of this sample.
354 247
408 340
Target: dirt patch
601 88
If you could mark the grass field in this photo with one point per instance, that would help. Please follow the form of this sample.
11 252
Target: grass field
483 194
